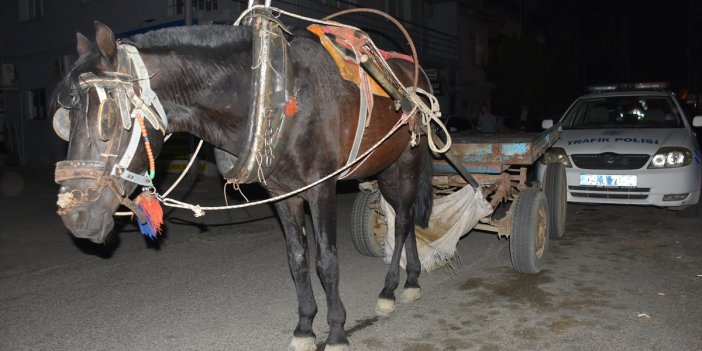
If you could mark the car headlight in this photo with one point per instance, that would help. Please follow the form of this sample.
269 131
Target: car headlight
671 157
555 154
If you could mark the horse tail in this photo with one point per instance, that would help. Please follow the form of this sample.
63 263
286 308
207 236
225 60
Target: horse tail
424 200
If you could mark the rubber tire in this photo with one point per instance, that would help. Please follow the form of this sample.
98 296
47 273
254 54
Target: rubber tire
554 187
528 242
363 219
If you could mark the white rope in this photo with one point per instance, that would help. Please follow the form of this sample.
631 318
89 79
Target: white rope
200 210
433 116
290 14
429 114
182 174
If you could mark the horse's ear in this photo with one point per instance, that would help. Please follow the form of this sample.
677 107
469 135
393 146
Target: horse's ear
105 41
83 44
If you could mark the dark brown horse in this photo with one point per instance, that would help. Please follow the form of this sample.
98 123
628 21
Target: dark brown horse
202 77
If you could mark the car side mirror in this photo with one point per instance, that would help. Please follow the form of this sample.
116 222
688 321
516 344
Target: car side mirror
548 123
697 121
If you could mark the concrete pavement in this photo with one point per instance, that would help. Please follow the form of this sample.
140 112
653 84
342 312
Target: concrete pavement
624 278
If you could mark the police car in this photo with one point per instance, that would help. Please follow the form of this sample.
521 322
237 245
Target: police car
628 144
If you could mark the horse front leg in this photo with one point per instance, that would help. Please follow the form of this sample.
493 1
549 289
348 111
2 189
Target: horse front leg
292 217
322 203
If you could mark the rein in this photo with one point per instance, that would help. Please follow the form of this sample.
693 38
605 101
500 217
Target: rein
407 98
199 211
145 104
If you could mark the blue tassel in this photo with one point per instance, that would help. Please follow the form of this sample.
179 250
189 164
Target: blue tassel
153 213
147 228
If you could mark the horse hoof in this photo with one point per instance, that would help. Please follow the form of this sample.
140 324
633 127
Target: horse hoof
338 347
411 294
384 307
302 344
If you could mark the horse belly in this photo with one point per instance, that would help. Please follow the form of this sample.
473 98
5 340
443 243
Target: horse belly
385 154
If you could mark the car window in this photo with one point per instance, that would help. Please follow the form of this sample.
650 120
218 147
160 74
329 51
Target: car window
623 112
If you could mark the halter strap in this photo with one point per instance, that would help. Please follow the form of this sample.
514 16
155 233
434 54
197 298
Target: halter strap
120 169
148 97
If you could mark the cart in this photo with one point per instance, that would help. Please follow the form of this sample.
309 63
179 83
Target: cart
528 213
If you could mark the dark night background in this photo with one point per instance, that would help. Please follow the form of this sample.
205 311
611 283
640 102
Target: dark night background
568 45
539 55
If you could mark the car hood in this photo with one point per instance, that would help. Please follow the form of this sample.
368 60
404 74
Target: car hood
633 140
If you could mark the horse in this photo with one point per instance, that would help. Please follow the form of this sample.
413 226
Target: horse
202 78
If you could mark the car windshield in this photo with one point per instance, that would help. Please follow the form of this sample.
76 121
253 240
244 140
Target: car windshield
623 112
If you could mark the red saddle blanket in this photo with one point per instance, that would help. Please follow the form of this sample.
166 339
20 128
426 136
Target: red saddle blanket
345 45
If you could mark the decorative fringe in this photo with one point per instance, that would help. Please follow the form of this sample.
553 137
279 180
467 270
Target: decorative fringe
153 213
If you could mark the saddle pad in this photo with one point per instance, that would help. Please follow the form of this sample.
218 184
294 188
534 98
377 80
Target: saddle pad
343 44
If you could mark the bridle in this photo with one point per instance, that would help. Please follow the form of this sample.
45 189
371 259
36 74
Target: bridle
118 94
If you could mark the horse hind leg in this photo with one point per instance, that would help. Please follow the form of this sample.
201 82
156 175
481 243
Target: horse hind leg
291 213
403 227
421 212
407 188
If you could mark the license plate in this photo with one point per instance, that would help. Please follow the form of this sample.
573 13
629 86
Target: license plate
608 180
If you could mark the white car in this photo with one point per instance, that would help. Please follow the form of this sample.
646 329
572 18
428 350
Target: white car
628 145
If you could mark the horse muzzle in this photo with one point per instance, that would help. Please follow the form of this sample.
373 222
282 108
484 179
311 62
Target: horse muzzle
89 222
84 202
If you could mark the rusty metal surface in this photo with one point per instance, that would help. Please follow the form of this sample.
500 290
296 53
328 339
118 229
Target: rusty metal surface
495 153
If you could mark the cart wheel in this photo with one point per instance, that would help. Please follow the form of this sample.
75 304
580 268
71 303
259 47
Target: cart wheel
554 188
368 226
529 239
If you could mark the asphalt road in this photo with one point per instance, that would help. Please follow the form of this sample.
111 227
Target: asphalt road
624 278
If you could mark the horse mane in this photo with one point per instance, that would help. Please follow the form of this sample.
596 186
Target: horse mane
196 37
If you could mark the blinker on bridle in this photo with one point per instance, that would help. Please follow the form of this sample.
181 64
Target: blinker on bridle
118 96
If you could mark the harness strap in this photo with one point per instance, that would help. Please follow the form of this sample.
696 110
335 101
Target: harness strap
364 115
120 169
78 169
148 96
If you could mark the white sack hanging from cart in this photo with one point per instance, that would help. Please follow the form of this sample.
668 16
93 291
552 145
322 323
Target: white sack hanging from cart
452 217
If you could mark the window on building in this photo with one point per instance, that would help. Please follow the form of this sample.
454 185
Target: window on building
30 9
177 7
36 104
206 5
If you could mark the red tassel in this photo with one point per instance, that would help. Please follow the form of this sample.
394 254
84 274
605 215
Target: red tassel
153 212
291 106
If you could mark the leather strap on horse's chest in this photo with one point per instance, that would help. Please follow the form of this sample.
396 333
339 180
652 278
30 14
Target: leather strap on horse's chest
272 89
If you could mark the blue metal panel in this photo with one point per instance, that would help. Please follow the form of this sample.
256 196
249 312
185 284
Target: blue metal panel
515 149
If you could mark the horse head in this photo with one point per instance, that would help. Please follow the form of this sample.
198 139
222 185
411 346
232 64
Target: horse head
114 126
